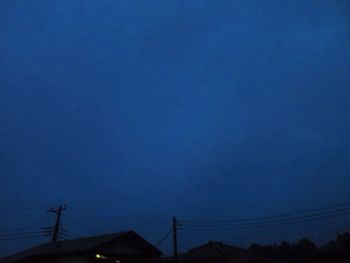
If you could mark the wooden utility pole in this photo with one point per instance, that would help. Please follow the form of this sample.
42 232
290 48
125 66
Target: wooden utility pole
58 212
175 237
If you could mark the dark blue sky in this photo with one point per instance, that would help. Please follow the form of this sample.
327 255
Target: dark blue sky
134 111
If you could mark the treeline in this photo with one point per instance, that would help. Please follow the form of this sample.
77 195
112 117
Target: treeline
303 250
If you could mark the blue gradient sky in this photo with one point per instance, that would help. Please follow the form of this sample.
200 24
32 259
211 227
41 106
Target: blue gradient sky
131 112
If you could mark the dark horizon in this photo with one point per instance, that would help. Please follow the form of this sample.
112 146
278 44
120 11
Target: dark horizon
132 113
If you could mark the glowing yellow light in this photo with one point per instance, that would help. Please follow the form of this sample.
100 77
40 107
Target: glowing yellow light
101 256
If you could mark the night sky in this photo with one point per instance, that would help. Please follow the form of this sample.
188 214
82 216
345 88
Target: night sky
131 112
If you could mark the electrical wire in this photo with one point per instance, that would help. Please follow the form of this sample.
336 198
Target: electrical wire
346 205
259 223
63 234
164 237
68 232
271 221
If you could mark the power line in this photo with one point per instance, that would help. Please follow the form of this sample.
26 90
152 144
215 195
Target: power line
271 221
264 224
64 235
164 237
345 205
31 232
65 231
74 235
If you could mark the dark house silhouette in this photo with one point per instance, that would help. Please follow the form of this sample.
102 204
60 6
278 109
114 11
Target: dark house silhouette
219 252
119 247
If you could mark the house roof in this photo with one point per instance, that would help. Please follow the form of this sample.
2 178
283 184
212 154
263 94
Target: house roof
125 244
215 250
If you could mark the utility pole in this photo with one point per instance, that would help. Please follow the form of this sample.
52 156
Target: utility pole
58 212
175 237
